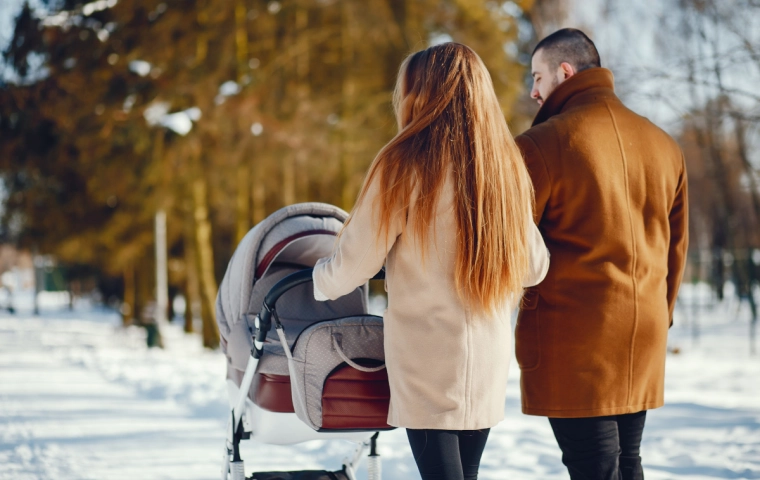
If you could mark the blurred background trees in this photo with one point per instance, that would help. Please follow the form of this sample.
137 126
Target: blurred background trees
693 66
220 112
716 57
216 112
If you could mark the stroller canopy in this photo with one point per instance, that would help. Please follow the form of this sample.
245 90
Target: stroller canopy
290 239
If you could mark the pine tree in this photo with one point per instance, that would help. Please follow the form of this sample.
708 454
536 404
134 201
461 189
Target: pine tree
290 102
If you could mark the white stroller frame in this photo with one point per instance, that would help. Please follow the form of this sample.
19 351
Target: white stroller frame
247 420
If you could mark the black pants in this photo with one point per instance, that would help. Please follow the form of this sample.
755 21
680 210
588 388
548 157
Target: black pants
601 448
448 454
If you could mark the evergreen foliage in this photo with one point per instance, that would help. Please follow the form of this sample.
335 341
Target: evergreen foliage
218 112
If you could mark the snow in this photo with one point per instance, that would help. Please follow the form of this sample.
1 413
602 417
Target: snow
83 398
157 113
97 6
140 67
229 88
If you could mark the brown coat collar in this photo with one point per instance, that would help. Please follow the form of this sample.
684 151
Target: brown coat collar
578 83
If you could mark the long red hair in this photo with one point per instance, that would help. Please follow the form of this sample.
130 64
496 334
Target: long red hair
449 119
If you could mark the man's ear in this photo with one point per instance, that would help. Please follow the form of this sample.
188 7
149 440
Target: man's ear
567 70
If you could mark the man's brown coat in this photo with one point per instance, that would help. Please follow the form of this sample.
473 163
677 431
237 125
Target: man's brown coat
611 204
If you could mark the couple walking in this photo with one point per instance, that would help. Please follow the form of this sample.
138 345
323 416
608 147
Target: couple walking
464 218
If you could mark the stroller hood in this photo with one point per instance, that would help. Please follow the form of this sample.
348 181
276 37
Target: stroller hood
262 245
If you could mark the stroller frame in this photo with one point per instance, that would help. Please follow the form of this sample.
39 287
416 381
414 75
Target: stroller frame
233 467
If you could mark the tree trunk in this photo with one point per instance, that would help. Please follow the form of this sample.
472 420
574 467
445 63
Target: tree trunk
171 313
162 271
205 263
348 92
70 288
37 269
303 91
258 194
740 131
201 41
191 287
243 201
188 315
546 16
146 308
241 55
130 294
256 184
241 39
288 179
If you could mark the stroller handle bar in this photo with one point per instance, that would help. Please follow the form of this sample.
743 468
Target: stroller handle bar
264 318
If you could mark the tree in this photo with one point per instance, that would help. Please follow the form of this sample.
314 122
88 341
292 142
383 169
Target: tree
215 112
713 47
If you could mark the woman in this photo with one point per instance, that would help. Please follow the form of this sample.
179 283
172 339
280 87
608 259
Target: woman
447 206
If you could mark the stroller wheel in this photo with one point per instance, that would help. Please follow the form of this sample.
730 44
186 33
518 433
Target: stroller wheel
237 470
232 470
374 470
225 473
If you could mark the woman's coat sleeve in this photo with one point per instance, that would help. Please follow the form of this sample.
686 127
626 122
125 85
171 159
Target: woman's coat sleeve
539 258
360 251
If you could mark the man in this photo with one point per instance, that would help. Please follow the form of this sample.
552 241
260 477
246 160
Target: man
611 203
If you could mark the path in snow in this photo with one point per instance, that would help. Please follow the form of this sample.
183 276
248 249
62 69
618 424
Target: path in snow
81 398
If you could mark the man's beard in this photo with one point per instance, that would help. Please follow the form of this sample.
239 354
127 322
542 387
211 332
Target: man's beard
555 84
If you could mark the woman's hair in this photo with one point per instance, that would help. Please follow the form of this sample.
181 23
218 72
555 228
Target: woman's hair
450 123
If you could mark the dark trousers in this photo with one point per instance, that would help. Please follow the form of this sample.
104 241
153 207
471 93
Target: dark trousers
601 448
448 454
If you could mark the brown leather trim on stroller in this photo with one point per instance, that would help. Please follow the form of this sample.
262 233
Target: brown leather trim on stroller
272 254
273 392
351 400
355 400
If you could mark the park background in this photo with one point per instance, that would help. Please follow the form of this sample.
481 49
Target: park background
188 121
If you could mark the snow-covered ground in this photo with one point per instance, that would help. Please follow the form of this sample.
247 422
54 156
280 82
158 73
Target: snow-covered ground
82 398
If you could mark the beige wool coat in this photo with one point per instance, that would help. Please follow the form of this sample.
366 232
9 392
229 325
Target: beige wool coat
447 368
612 205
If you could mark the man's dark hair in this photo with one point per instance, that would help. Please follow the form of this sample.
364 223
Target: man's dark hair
572 46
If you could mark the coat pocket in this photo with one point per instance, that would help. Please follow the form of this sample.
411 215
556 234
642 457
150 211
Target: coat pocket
528 333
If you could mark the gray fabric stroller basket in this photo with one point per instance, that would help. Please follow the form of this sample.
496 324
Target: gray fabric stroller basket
322 348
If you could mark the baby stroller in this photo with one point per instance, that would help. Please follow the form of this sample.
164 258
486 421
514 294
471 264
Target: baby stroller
322 375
